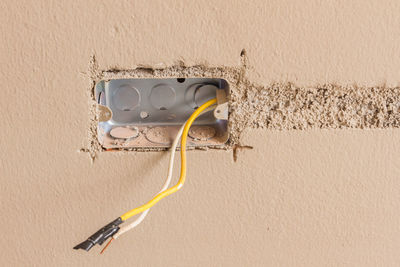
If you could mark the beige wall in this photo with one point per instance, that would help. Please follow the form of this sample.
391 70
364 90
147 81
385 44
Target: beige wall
318 197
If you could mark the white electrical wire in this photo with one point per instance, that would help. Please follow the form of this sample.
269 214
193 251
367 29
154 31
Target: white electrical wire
166 184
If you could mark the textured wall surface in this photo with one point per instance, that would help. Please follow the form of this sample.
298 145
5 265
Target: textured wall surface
323 193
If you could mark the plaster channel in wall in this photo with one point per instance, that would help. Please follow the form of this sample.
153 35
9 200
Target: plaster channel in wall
277 106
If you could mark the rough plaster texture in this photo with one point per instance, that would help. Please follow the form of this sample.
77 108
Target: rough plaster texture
319 188
279 106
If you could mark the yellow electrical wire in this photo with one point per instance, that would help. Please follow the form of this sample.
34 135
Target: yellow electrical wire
182 178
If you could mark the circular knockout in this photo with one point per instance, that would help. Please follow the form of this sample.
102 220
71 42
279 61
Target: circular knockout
202 133
204 93
158 135
126 98
124 132
162 97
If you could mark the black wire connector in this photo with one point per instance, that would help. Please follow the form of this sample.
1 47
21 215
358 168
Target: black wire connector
100 236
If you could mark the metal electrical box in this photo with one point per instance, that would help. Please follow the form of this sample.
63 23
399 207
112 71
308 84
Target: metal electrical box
140 113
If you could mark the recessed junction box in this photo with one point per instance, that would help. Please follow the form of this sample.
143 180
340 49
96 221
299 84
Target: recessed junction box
147 113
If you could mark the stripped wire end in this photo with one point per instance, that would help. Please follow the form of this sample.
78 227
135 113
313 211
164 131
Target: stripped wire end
101 235
106 246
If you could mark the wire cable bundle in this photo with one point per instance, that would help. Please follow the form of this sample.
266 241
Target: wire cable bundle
112 230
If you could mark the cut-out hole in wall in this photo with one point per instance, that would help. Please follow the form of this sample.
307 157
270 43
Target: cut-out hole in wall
156 109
